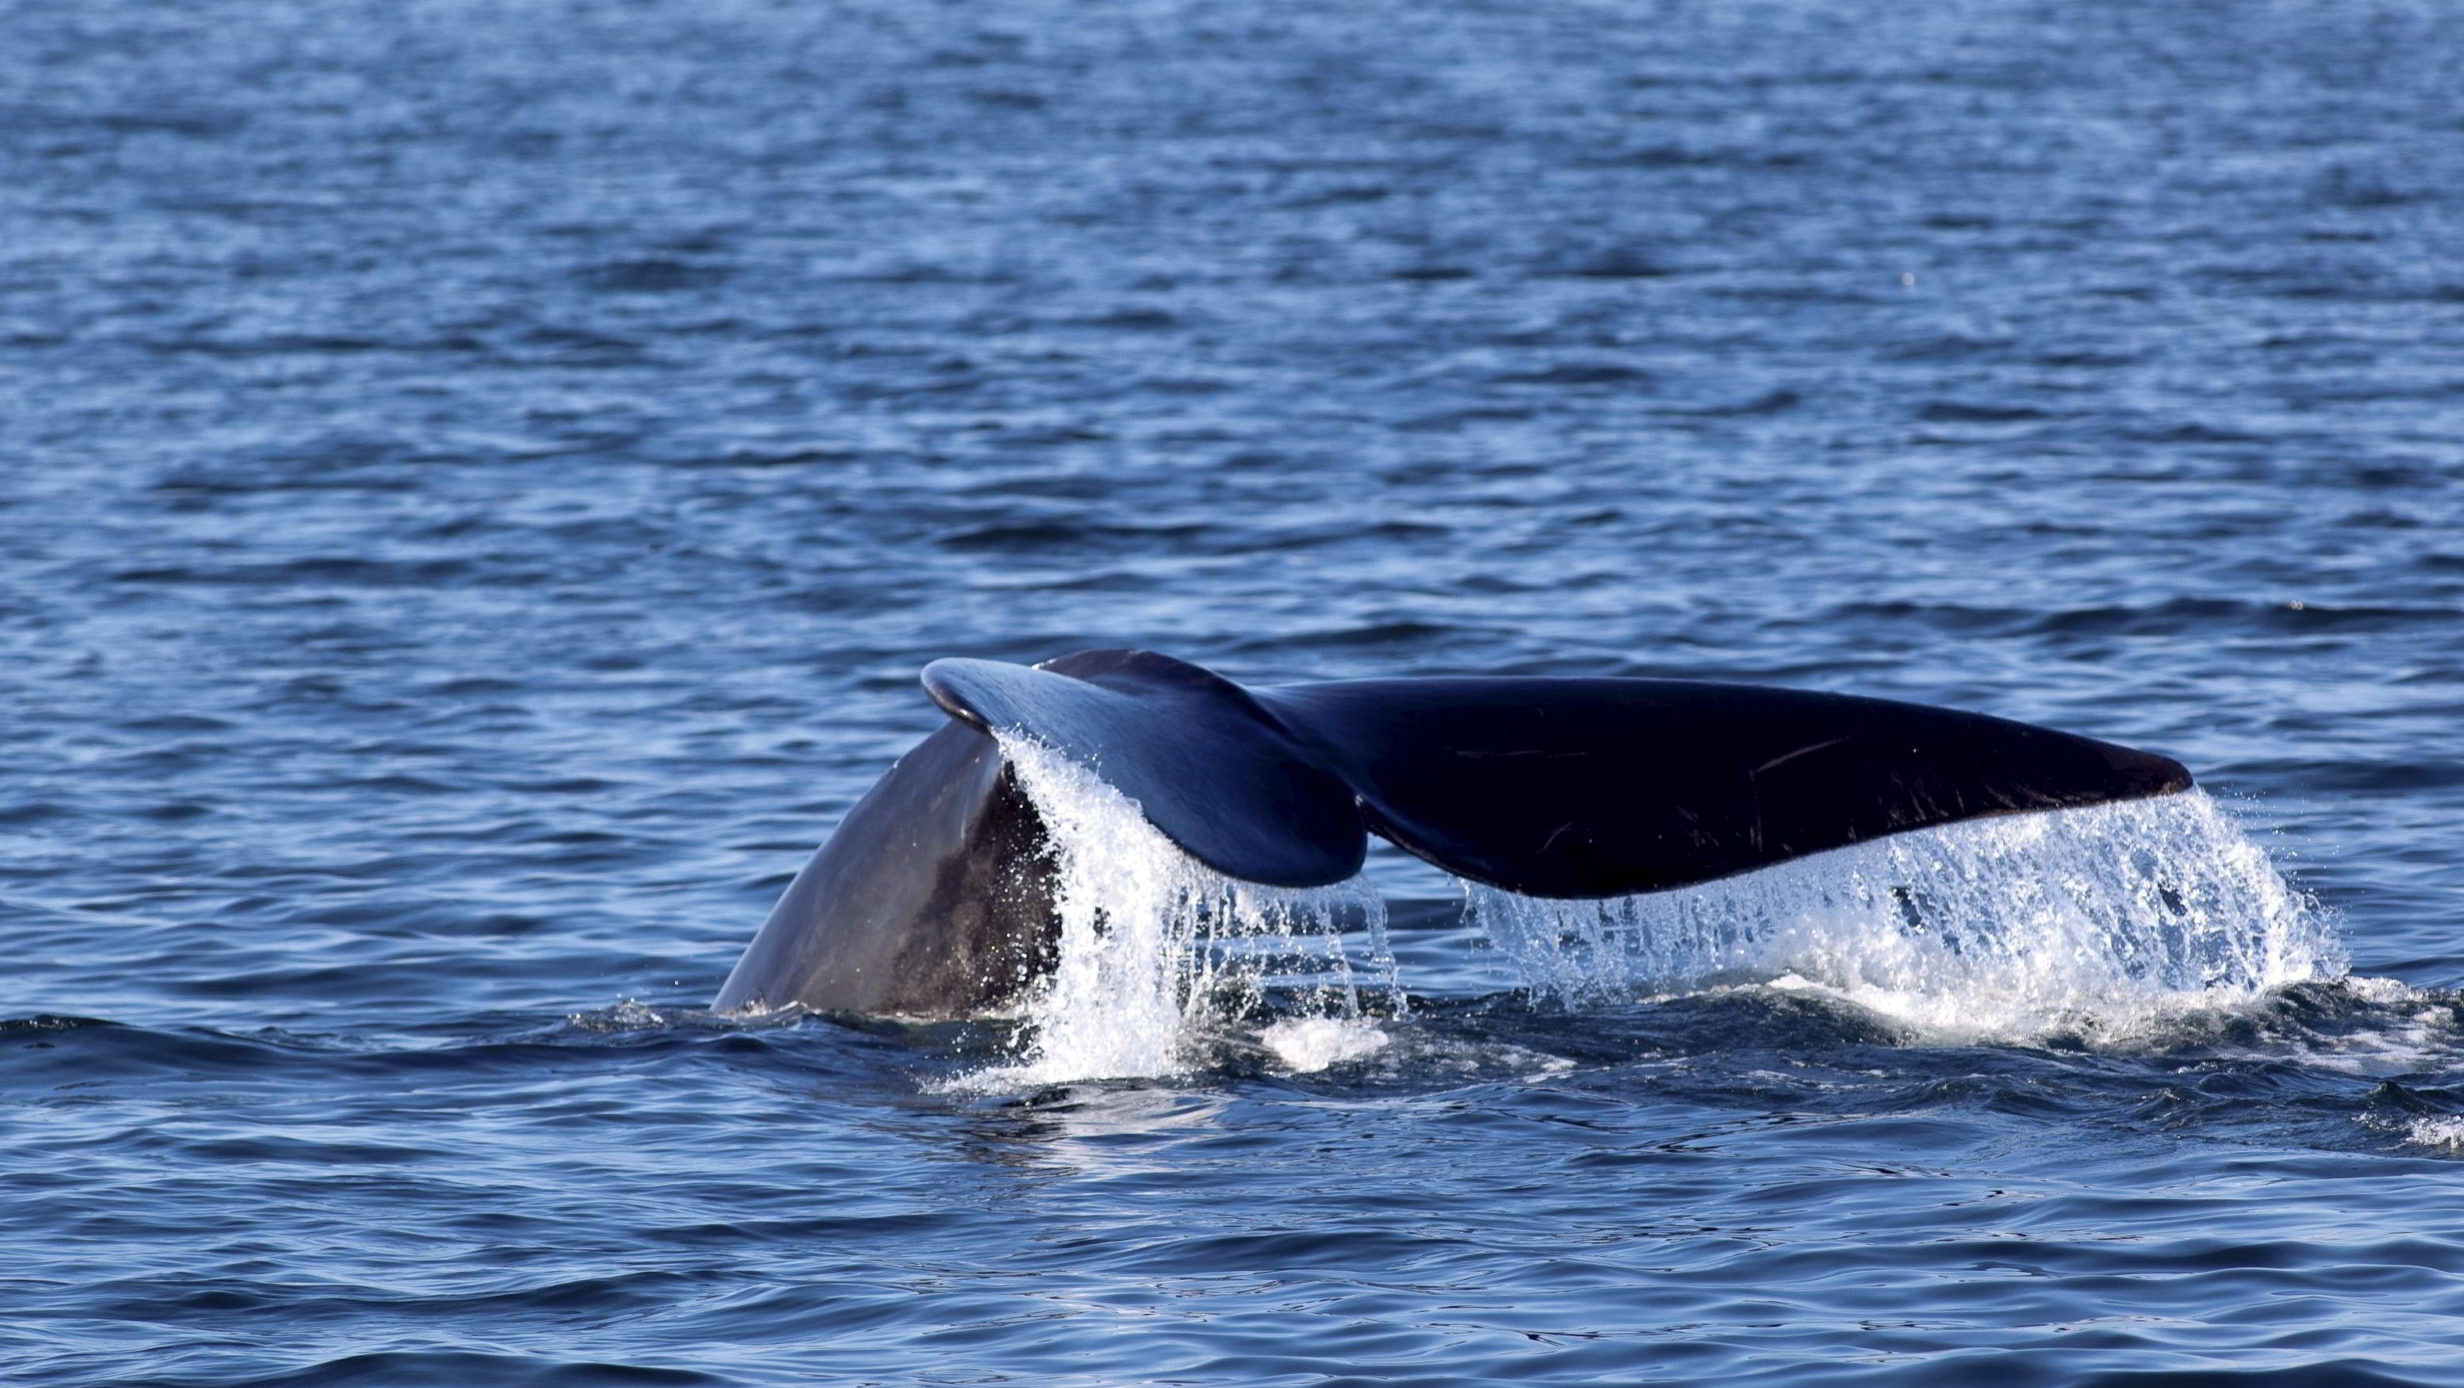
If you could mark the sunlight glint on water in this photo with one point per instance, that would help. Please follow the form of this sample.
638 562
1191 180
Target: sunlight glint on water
2099 919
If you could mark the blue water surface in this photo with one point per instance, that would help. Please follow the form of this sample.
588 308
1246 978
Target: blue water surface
477 483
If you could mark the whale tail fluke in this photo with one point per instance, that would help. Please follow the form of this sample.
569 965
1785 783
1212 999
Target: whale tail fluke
1548 787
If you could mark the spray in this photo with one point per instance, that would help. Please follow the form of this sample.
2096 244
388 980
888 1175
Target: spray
1159 953
2106 917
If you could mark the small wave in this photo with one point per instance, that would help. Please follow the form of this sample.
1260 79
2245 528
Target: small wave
654 275
313 570
1579 373
2417 1112
425 1366
1976 412
626 1015
2443 1134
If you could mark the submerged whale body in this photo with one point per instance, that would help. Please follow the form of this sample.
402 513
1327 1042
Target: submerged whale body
934 896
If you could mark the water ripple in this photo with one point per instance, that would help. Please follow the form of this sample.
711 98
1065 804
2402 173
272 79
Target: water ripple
483 479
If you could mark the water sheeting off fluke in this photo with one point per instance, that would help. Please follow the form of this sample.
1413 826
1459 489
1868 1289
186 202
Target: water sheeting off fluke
1157 952
2092 921
1206 764
2095 918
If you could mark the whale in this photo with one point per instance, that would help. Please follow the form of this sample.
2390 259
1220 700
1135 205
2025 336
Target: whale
933 898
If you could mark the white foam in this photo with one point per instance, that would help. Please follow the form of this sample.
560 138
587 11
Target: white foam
2105 919
1158 951
1306 1045
2444 1134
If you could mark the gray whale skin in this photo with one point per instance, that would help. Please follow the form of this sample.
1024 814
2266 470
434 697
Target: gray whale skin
933 898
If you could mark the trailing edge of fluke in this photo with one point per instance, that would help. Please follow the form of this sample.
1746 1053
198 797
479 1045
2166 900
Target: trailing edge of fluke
934 896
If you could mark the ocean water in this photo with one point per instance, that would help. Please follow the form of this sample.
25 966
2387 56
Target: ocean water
477 484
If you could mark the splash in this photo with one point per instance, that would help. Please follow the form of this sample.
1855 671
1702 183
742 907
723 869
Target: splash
1158 953
2439 1134
2100 920
1306 1045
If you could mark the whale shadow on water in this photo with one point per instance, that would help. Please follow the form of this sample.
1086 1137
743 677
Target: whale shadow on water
1112 843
